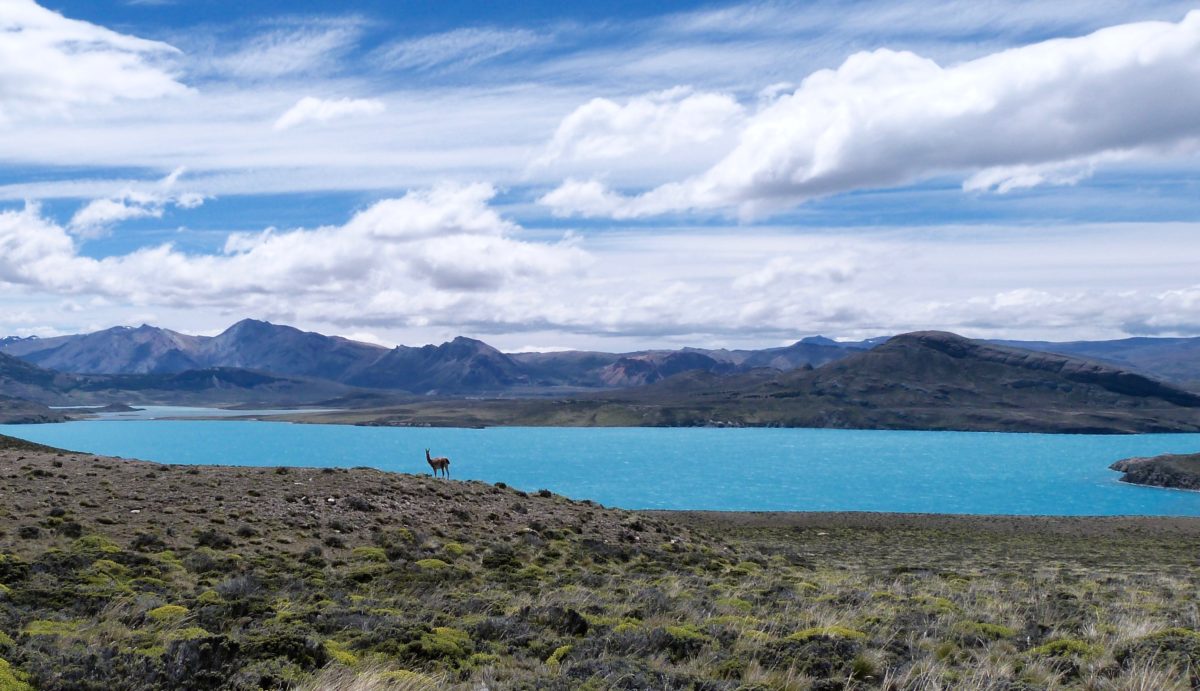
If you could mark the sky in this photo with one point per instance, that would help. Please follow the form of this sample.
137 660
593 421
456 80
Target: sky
602 175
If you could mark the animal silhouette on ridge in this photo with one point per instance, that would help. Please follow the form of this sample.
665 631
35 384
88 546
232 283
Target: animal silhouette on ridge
440 463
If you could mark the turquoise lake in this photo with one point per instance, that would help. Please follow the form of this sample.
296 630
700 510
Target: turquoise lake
691 468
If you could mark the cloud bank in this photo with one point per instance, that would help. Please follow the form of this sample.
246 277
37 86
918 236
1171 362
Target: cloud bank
424 246
1043 113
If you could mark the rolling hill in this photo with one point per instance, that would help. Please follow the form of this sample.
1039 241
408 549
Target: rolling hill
938 380
1176 360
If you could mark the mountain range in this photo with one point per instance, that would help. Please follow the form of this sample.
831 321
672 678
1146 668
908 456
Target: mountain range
917 381
938 380
928 380
460 366
466 366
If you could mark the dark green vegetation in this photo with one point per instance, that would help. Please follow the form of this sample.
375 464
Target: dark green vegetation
925 380
1170 470
129 575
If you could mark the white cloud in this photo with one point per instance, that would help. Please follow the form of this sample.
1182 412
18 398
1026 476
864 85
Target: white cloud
440 262
310 109
458 48
49 64
290 49
889 18
657 123
1011 119
142 201
426 245
838 267
99 214
585 198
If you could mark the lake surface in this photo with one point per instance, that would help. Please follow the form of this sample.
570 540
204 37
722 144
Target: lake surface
691 468
165 412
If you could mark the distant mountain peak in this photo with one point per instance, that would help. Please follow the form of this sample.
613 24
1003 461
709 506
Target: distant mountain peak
252 324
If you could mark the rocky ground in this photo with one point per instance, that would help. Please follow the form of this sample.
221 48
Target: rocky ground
1178 471
119 574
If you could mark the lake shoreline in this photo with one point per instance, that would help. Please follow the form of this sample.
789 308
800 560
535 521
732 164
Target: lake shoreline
1007 523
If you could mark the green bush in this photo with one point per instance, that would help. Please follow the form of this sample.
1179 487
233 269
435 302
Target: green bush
1065 647
680 642
557 656
371 554
51 627
11 679
209 597
1178 647
95 543
168 613
338 653
190 633
828 632
444 642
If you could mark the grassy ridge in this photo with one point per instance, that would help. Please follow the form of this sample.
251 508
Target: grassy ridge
128 575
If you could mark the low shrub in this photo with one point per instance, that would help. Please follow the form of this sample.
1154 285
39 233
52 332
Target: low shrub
168 613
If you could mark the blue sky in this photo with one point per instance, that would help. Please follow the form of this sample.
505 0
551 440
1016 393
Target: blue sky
606 175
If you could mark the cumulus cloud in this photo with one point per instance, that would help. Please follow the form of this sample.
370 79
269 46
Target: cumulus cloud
1043 113
98 215
585 198
458 48
654 123
49 63
445 240
311 109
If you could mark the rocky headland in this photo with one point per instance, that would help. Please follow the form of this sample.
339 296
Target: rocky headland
1177 471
